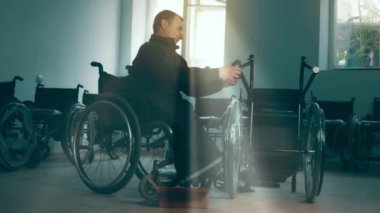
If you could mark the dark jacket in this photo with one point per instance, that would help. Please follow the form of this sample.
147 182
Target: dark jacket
162 74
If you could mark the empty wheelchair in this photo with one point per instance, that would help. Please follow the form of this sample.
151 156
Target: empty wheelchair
368 138
53 110
16 126
342 129
286 133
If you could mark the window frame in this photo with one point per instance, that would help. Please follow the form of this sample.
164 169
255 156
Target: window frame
188 4
331 60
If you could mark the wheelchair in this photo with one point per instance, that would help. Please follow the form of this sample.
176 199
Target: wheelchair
286 132
113 142
53 110
367 138
342 128
17 133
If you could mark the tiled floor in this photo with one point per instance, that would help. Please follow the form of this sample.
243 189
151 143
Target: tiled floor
55 187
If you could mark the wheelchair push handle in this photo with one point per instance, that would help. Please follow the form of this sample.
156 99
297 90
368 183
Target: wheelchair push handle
238 62
99 65
247 86
17 78
128 67
315 70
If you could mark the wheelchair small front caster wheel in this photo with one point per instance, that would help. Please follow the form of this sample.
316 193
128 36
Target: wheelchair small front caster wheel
148 188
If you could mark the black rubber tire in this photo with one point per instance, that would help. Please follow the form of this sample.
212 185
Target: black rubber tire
70 122
110 149
314 144
17 140
232 147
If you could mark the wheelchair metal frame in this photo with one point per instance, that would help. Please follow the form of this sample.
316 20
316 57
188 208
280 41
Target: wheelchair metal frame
342 130
53 110
17 132
267 106
367 137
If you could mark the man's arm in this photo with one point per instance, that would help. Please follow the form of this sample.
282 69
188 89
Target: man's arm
206 81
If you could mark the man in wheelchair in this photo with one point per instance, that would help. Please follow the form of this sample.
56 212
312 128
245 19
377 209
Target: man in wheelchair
162 74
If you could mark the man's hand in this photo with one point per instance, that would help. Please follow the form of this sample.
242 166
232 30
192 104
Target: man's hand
230 74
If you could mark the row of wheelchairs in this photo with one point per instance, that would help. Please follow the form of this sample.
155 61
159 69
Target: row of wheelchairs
272 132
351 137
27 127
107 129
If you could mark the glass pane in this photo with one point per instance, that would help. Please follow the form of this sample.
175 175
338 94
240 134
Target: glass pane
208 2
174 5
206 36
357 34
212 2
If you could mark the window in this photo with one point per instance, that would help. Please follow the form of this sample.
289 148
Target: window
356 34
203 44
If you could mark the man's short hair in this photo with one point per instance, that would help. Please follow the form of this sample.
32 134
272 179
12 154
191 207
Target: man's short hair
163 15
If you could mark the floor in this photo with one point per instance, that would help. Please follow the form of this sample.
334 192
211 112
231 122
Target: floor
55 186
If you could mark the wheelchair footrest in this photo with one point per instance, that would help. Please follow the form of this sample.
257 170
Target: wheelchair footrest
182 197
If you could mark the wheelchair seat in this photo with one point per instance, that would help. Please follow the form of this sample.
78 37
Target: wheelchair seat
276 101
58 99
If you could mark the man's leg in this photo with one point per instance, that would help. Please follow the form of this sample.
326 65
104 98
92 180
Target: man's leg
195 153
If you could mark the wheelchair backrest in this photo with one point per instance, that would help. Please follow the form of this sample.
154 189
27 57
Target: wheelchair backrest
376 109
276 100
275 118
113 84
7 90
337 109
55 98
88 98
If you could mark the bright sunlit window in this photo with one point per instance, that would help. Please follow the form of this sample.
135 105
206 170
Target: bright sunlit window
203 44
357 34
205 35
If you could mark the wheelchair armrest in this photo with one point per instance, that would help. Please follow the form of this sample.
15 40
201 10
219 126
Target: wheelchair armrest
335 122
211 121
372 125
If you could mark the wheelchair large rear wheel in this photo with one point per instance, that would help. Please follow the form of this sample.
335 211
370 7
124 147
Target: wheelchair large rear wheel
70 121
360 146
17 135
107 144
314 145
156 146
232 147
352 134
